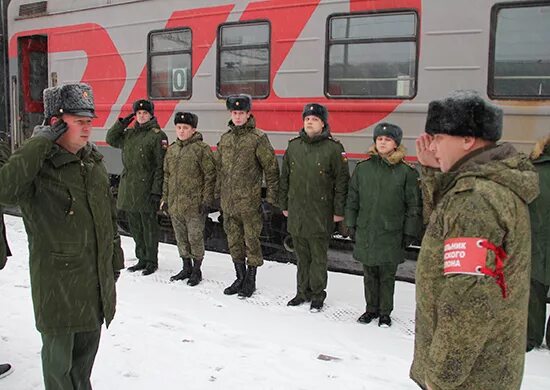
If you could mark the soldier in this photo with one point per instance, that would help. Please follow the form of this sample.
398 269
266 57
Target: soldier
244 155
314 184
188 191
62 188
539 211
143 147
472 275
384 210
5 368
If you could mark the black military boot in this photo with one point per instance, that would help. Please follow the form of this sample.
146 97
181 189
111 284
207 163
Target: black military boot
196 274
384 321
249 285
140 265
150 268
5 369
240 270
185 272
296 301
367 317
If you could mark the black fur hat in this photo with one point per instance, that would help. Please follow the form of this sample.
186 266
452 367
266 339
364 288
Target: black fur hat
187 118
316 110
465 113
143 104
241 102
389 130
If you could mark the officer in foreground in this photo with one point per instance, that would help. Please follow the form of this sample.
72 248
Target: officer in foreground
244 157
472 274
143 147
59 181
314 185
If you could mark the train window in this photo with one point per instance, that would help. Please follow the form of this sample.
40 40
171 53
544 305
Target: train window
169 69
520 54
372 55
243 59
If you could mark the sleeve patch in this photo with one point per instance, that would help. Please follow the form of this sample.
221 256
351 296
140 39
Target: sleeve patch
344 156
164 143
464 255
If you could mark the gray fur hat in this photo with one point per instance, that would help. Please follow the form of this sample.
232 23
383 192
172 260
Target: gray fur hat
317 110
389 130
240 102
75 99
465 113
144 104
187 118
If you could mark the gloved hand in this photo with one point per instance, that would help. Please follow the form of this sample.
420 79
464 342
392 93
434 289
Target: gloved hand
51 132
408 240
155 201
117 275
267 211
127 119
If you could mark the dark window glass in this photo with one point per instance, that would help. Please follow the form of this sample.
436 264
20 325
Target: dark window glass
170 64
521 58
244 59
38 74
372 56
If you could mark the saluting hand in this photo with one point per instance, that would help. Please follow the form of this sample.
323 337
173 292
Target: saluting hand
426 156
51 132
127 119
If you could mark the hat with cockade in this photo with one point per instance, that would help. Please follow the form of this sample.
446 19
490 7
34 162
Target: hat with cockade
75 99
144 104
316 110
389 130
241 102
187 118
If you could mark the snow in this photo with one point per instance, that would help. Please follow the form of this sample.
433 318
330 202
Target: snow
167 335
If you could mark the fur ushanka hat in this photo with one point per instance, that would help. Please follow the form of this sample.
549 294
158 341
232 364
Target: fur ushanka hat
389 130
76 99
186 118
316 110
464 113
143 104
240 102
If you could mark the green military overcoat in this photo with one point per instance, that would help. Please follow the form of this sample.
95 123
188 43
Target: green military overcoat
540 215
468 336
314 184
70 219
4 248
143 148
189 176
383 205
244 157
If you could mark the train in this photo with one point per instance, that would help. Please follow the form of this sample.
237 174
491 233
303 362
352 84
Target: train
367 61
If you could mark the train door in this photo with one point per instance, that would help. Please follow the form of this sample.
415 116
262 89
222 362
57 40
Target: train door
33 79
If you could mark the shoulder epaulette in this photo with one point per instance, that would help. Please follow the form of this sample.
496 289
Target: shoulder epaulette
156 130
294 138
367 158
409 164
334 139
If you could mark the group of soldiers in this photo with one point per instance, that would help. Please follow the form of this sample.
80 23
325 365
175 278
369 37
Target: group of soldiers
473 271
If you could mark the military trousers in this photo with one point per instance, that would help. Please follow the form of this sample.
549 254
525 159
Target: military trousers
243 236
67 360
189 229
379 284
312 274
537 314
145 230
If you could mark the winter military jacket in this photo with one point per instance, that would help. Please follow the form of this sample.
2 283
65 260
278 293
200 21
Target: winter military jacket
468 336
383 205
143 148
4 248
70 219
314 184
244 155
189 176
539 211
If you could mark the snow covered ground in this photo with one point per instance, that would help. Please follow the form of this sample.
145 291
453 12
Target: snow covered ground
172 336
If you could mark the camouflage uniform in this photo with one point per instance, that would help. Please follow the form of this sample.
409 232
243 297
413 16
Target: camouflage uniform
143 148
539 211
188 188
314 183
467 335
244 156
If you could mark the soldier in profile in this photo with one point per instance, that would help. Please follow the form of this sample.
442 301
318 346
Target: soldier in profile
143 147
245 157
472 274
188 193
59 181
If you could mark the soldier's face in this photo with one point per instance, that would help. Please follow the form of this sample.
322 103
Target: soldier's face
385 145
143 116
239 118
79 129
184 131
448 149
313 125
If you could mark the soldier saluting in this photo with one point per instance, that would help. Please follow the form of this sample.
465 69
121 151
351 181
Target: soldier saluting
472 274
143 147
245 156
61 185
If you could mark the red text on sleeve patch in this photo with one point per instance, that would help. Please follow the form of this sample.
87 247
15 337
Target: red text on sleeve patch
464 255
